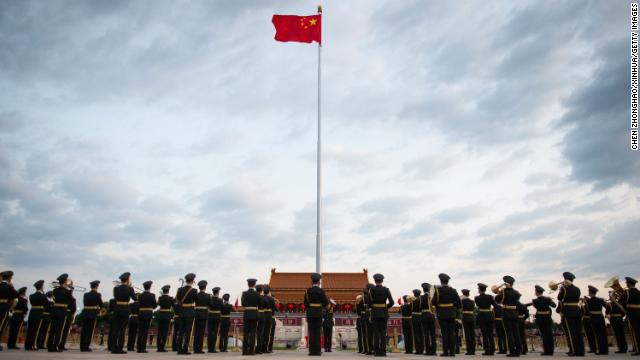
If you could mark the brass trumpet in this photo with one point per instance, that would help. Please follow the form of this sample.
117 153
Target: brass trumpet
496 289
554 285
69 283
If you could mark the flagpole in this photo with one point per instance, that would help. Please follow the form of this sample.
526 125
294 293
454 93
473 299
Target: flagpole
319 172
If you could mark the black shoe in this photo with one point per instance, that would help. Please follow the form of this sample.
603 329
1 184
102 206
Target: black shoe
184 353
513 355
118 352
142 351
635 353
162 350
621 352
198 352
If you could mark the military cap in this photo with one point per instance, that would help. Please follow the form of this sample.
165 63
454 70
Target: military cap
147 284
62 278
465 292
6 274
416 292
593 289
215 290
22 290
202 284
315 277
166 288
568 276
266 289
251 281
125 276
94 283
259 288
404 298
630 280
49 293
378 277
38 284
482 287
444 277
508 279
190 277
539 289
426 286
225 297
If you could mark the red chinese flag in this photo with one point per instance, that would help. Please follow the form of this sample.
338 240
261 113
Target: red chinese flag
304 29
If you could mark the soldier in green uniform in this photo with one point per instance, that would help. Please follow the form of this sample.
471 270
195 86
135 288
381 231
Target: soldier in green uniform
225 322
164 316
203 302
469 322
7 295
314 300
485 319
327 325
616 312
186 300
38 300
588 330
508 299
260 326
123 294
500 331
595 305
428 322
407 328
63 297
416 322
569 297
369 321
447 302
46 321
213 325
249 300
523 315
92 303
630 300
543 305
359 326
71 313
148 304
269 320
380 300
17 318
133 324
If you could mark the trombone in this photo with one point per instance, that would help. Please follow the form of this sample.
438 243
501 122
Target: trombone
56 284
118 283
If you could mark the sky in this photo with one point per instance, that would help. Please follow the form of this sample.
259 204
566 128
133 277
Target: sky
167 137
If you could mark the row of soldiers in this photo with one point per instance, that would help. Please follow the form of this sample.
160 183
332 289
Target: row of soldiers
506 314
52 314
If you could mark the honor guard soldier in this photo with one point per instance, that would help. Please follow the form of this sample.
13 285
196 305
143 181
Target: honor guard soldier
123 294
186 300
71 314
148 304
485 317
630 300
359 327
314 300
428 322
447 302
270 322
63 297
523 315
249 300
327 325
7 296
369 322
407 330
164 316
595 305
260 327
215 308
17 318
588 330
500 332
569 297
543 305
616 312
468 322
380 300
46 321
112 330
225 322
134 322
508 299
203 301
92 303
38 301
416 321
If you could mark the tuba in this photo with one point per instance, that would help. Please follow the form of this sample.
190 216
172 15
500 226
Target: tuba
618 290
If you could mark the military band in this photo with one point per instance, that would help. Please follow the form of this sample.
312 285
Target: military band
198 314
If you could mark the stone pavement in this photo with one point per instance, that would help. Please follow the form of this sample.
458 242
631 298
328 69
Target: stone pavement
278 354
